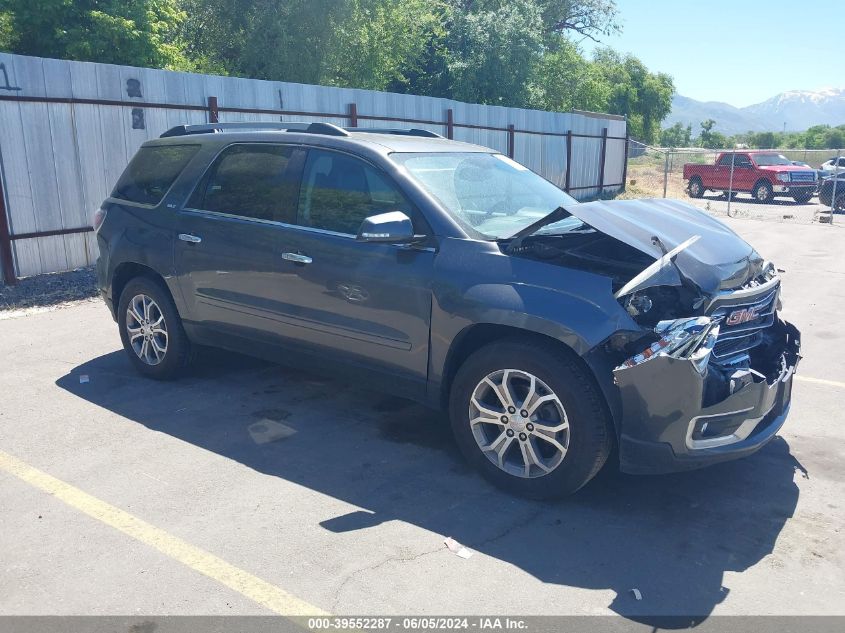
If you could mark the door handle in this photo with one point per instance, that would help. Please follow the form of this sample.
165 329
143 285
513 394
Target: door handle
297 257
187 237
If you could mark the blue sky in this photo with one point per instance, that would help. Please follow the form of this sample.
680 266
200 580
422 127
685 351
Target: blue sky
738 51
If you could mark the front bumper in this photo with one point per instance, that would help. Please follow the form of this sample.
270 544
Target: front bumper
674 418
794 188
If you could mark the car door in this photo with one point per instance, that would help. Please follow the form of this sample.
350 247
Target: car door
366 303
227 251
721 173
744 173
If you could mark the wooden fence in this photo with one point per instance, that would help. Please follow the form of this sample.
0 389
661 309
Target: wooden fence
68 129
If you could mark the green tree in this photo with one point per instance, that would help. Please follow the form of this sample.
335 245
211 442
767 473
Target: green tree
133 32
676 136
263 39
584 18
566 81
379 43
710 138
764 140
5 30
494 51
644 97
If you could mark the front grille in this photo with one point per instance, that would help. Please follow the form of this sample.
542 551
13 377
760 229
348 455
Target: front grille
802 176
741 323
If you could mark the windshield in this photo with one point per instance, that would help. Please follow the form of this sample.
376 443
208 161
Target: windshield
771 159
490 196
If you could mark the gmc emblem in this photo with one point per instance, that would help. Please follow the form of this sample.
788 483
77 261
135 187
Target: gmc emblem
743 316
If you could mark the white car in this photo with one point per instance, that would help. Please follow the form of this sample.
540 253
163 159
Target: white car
829 169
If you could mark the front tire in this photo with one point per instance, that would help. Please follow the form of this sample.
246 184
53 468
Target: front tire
763 192
151 330
530 419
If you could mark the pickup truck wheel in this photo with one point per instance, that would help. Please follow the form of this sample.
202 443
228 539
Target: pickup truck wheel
802 198
151 330
840 203
695 188
763 191
531 420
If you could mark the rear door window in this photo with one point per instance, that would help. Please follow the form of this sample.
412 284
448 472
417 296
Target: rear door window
151 173
249 180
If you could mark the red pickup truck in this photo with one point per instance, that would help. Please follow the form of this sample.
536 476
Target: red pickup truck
763 174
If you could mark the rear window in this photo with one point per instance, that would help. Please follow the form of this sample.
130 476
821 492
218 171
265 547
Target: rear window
152 171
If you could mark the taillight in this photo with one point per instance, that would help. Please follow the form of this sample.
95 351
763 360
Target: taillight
99 218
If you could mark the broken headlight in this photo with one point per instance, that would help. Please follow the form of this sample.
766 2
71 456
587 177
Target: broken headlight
691 338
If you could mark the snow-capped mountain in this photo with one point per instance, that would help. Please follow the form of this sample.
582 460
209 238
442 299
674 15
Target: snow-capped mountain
798 109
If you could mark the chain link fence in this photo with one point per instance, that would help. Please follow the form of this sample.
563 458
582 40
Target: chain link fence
655 172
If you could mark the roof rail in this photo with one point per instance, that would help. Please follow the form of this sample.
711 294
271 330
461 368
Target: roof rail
398 131
213 128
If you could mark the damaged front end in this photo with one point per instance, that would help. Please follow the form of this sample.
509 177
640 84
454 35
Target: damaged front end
708 388
703 368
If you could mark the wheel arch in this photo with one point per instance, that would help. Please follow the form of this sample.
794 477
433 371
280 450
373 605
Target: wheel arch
474 337
126 272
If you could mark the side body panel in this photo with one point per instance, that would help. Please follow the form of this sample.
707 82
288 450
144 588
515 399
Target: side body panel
476 284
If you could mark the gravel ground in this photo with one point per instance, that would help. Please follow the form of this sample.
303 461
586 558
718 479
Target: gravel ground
48 291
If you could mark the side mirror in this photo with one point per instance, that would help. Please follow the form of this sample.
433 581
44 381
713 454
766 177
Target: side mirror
393 227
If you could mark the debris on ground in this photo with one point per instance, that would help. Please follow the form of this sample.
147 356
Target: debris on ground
268 431
457 548
83 379
637 594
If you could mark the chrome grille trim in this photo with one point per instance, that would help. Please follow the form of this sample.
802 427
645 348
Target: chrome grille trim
738 339
802 176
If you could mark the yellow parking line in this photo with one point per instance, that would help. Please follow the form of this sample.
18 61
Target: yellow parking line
254 588
820 381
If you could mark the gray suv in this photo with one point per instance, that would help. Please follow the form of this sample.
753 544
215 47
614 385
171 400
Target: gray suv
551 331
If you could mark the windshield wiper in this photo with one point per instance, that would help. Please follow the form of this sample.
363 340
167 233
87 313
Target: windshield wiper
550 218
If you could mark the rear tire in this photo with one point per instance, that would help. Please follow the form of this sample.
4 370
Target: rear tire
151 330
554 450
763 192
695 188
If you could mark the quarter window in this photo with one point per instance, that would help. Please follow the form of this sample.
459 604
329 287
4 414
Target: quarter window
250 181
151 173
339 192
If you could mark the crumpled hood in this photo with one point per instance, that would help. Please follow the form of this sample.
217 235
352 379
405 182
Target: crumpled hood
719 259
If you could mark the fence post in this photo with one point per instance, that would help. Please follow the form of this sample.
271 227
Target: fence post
603 159
450 124
213 111
625 164
511 139
7 262
666 171
353 114
731 183
568 160
833 191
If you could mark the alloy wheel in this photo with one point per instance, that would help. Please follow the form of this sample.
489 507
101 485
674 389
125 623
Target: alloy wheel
519 423
146 329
